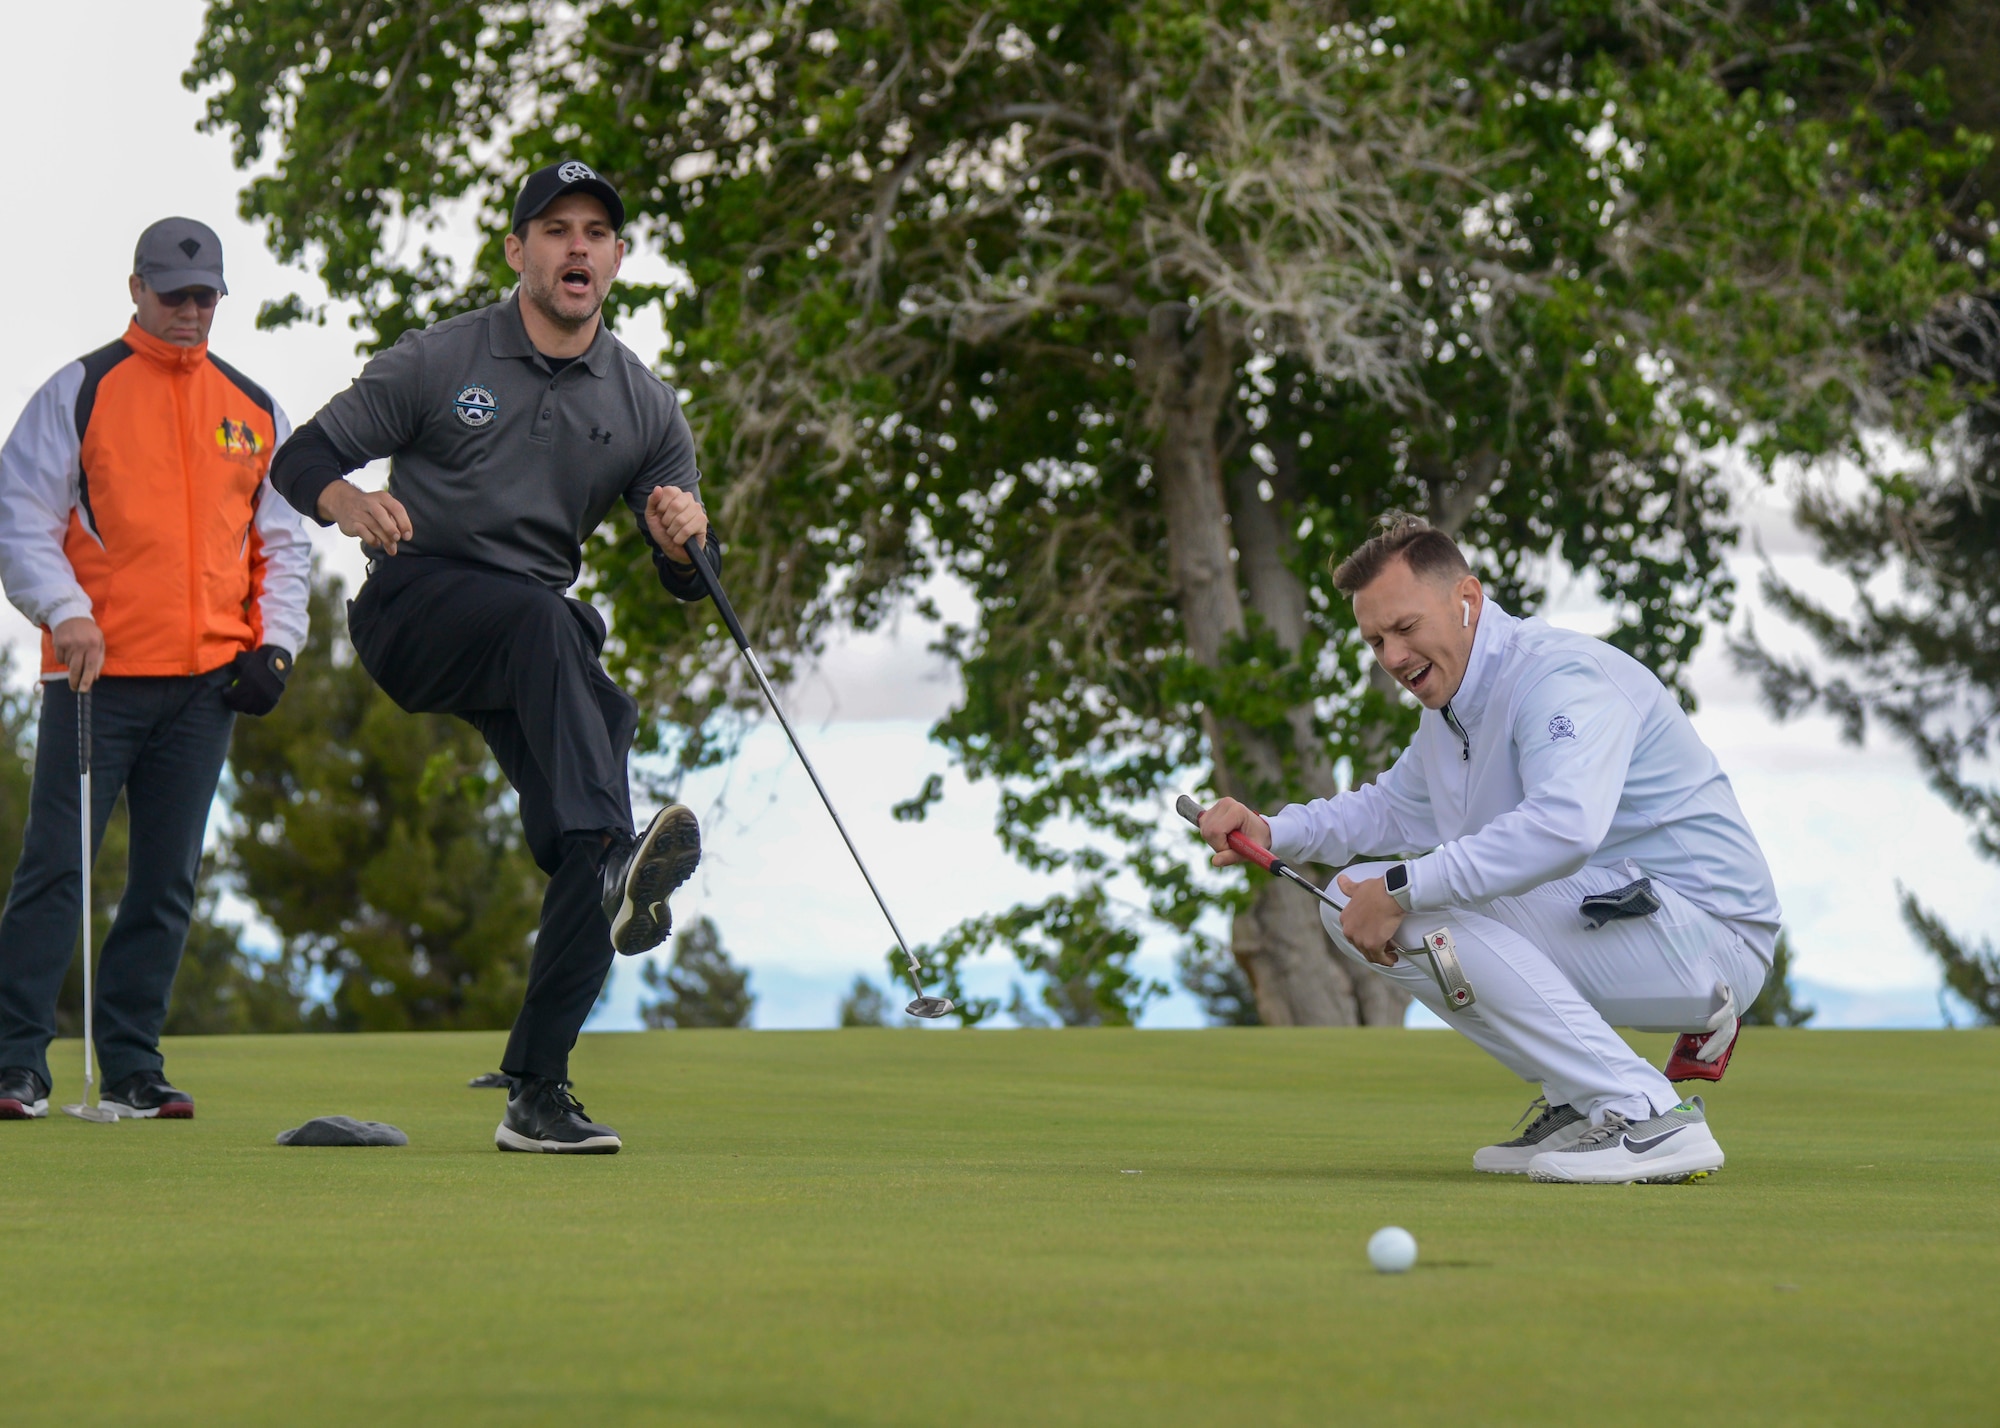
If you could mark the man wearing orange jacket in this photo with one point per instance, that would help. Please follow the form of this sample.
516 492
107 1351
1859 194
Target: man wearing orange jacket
138 530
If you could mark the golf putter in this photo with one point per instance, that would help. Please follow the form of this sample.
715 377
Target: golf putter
89 1108
929 1008
1438 946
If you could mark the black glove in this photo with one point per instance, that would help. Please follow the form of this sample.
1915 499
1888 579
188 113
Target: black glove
260 680
1632 900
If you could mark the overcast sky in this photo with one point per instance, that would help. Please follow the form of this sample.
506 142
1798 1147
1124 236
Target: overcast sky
94 110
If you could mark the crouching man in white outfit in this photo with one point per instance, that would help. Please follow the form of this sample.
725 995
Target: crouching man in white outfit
1548 768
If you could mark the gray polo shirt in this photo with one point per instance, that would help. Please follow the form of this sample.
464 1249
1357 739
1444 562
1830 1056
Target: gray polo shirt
497 459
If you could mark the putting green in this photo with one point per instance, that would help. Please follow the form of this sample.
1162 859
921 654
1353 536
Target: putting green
1073 1227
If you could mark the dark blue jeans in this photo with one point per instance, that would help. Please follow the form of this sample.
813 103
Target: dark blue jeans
162 742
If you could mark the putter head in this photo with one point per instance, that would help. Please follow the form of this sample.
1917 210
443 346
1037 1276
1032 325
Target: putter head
100 1114
929 1008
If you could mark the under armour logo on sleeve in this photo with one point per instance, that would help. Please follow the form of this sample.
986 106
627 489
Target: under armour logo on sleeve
1561 728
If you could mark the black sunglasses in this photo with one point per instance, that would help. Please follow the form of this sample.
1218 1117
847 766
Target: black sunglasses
203 298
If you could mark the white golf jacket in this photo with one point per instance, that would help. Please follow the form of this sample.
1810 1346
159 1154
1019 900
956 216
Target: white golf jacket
1558 752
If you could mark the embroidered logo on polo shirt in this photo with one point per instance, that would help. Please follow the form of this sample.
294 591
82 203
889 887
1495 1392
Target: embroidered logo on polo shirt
475 406
1561 728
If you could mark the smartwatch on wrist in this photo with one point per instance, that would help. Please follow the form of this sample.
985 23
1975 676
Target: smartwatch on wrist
1397 881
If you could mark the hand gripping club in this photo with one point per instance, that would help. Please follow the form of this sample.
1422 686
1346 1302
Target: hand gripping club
1438 946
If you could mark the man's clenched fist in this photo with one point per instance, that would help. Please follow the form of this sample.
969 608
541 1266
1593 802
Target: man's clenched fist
375 516
79 649
675 517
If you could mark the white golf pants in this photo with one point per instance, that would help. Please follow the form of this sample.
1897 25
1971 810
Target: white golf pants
1548 989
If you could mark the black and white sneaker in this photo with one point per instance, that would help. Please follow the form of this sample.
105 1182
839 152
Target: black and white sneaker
639 877
146 1096
544 1116
1554 1128
24 1096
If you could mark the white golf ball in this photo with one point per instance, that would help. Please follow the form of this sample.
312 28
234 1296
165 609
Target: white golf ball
1392 1250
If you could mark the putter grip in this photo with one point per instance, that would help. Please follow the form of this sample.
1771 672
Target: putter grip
1238 844
699 555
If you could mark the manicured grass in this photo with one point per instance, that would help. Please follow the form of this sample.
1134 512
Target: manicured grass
940 1229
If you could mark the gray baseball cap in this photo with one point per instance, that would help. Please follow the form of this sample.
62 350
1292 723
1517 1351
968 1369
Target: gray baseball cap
178 253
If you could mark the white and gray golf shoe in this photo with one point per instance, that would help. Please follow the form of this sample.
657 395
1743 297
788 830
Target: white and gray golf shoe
1671 1147
1554 1128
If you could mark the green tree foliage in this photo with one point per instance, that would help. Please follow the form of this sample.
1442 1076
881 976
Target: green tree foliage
1217 980
18 713
865 1005
223 990
1080 948
1917 655
700 986
1778 1004
383 846
1128 316
1972 972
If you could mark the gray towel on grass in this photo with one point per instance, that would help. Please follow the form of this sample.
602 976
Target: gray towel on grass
342 1130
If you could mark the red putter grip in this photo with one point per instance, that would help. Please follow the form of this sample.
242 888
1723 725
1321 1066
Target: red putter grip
1244 847
1238 844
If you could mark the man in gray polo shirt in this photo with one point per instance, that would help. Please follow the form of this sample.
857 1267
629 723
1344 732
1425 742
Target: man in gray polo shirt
511 432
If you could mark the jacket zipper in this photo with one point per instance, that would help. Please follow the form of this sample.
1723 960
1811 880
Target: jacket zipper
1464 739
178 380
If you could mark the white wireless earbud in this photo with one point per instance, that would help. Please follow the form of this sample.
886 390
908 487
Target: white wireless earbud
1466 622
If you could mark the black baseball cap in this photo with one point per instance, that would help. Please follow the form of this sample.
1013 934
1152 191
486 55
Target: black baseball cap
545 186
178 253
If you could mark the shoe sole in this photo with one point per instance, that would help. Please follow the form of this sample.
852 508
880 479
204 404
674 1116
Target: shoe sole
173 1111
666 857
507 1138
11 1110
1696 1164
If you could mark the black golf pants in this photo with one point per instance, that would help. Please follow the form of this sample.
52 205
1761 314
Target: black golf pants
161 741
519 662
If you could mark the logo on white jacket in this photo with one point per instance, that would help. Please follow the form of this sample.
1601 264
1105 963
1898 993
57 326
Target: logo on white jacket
1561 728
475 406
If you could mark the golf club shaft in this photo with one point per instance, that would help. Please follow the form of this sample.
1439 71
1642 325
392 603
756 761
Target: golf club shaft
698 554
83 742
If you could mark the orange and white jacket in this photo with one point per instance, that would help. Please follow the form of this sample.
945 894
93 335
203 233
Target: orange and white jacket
133 490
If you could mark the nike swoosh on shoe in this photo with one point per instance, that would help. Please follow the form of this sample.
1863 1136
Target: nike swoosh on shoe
1640 1147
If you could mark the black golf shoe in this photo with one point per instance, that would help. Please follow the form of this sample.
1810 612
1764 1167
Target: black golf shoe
639 876
24 1096
544 1116
146 1096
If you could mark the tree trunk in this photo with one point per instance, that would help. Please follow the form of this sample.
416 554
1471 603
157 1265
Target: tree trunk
1278 939
1266 549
